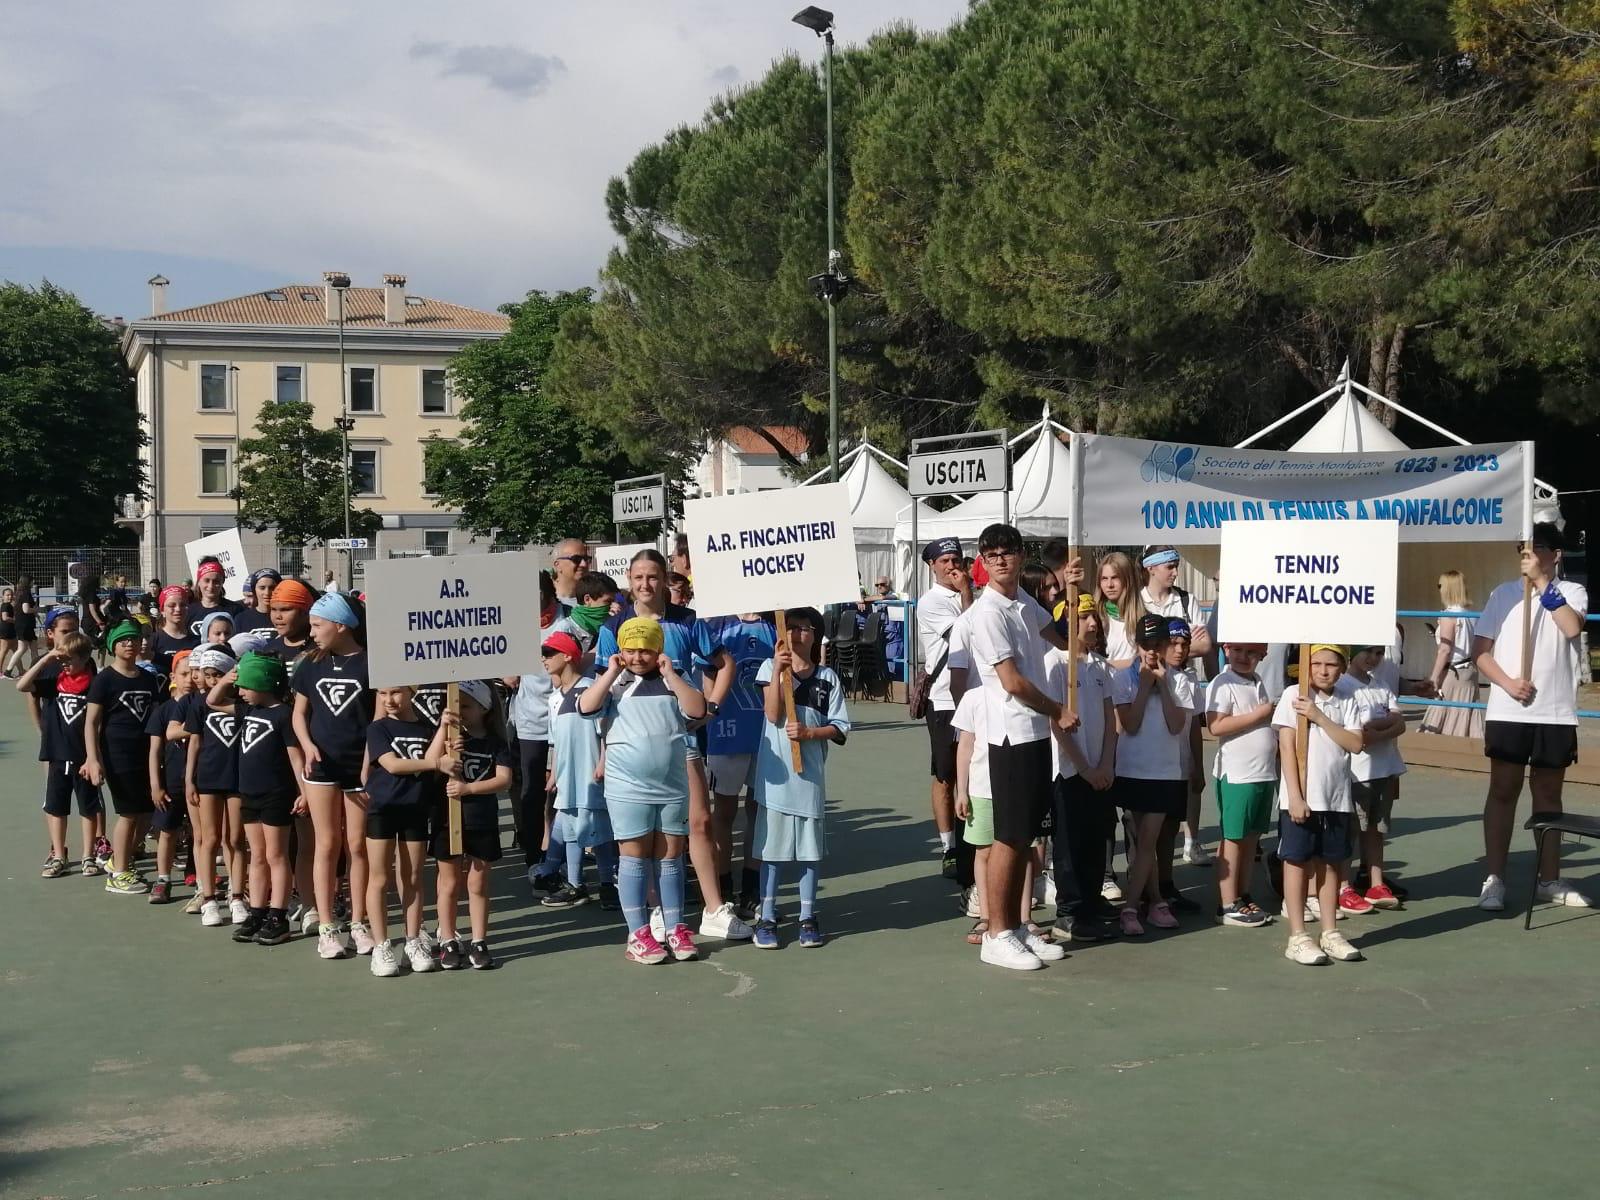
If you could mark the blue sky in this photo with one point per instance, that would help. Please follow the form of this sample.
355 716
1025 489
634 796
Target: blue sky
233 146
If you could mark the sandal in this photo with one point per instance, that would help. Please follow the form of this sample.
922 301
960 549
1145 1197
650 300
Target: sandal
975 934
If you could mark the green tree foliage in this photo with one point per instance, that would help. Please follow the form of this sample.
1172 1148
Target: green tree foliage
69 422
526 467
1152 214
292 479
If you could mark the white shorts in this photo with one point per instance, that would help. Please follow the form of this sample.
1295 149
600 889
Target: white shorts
732 773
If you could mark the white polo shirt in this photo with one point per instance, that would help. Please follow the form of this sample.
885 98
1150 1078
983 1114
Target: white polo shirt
1556 668
1002 629
936 614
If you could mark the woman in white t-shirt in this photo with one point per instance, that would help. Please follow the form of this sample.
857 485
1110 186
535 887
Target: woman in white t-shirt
1454 675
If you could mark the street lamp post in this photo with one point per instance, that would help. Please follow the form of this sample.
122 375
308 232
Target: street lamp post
233 386
340 283
832 284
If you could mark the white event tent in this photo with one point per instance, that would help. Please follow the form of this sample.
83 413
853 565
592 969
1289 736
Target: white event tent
877 499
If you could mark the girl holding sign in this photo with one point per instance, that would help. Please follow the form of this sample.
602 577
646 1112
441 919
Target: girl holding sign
332 709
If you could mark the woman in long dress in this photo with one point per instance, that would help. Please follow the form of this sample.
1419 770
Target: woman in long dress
1454 675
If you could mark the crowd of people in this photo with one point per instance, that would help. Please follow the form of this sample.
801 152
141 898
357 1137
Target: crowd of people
295 800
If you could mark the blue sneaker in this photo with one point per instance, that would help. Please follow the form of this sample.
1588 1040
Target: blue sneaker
766 935
811 933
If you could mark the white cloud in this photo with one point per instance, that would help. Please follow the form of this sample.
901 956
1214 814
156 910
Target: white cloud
289 138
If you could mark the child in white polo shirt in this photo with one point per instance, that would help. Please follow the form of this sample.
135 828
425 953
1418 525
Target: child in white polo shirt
1375 776
1239 716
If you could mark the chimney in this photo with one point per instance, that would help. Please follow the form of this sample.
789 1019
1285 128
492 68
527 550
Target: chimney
394 299
158 294
334 285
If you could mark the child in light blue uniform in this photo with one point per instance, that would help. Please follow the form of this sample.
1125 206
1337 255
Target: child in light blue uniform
648 705
789 824
577 766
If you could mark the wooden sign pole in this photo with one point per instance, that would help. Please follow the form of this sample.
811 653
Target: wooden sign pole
1527 628
786 682
453 803
1302 725
1072 637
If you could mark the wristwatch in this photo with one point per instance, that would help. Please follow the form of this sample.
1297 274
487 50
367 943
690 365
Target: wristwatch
712 708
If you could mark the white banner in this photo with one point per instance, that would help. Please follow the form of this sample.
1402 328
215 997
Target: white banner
445 619
1303 581
1137 492
614 560
770 550
229 551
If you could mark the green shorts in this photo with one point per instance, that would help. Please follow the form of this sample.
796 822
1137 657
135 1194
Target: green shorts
1246 808
980 825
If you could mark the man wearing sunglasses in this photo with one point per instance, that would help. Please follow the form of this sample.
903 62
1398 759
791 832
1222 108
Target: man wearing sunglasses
571 560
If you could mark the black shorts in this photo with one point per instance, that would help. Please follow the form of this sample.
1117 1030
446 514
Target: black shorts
1324 835
1169 797
941 745
482 844
130 793
274 808
63 785
1374 801
1549 747
1020 776
216 787
345 776
171 820
407 822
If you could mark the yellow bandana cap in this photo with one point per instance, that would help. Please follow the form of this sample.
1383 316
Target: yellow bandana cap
1342 651
640 633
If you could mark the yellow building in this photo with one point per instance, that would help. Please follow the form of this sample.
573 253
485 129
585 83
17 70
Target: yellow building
205 373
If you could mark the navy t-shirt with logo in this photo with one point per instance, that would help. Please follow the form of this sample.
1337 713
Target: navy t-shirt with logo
125 702
174 755
198 613
216 768
61 718
164 646
340 706
404 739
265 735
247 620
288 655
479 758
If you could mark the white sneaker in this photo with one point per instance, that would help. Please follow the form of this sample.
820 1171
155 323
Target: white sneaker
1313 913
1196 854
211 913
724 923
1043 948
1335 945
1559 891
971 903
238 911
1493 896
361 935
1301 949
385 961
658 926
309 922
1004 950
1111 890
418 953
331 942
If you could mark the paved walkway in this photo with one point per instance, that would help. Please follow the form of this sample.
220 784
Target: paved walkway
143 1053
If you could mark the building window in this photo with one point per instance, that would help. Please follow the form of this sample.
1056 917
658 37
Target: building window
436 541
435 392
276 296
214 387
216 470
364 472
291 561
289 385
363 389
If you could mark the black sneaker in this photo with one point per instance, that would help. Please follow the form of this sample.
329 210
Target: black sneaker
609 900
567 896
274 931
450 956
478 956
1091 929
947 867
1178 902
748 907
548 883
248 928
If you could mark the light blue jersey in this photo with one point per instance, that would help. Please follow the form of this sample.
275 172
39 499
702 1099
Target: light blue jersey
646 756
818 701
736 729
575 745
687 643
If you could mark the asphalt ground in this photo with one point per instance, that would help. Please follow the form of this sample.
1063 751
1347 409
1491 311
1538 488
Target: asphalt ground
144 1054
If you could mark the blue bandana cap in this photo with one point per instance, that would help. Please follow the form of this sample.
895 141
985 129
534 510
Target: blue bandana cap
939 547
1177 627
1159 558
332 606
56 613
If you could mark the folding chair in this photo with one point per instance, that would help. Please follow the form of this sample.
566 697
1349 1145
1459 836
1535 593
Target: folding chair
1544 824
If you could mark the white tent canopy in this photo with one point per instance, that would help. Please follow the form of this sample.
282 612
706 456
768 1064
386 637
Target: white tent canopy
877 500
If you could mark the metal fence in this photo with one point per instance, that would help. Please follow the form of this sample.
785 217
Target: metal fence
47 566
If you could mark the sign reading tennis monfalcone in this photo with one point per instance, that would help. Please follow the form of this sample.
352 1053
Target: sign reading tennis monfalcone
770 550
1302 581
442 620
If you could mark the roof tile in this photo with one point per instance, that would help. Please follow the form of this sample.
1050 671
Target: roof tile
363 310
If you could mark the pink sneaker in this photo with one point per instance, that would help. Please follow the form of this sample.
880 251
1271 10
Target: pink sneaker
1161 917
643 947
681 943
1129 920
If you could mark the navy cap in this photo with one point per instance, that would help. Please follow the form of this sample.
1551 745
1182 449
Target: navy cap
939 547
1177 627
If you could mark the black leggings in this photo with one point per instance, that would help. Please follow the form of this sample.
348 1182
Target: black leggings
532 756
1084 819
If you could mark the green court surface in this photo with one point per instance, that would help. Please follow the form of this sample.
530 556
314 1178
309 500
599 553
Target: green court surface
144 1054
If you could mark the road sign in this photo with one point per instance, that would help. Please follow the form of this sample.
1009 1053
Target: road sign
641 504
349 544
957 472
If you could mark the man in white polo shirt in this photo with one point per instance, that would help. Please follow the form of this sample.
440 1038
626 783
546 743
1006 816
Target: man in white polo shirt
1531 723
1006 643
937 611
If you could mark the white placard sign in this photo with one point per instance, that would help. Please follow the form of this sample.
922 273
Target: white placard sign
229 551
1136 492
769 550
614 560
445 619
1325 581
640 504
957 472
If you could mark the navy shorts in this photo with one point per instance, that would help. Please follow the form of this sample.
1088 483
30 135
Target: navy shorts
482 844
275 809
130 793
1169 797
63 785
1324 835
345 776
407 822
1547 747
1021 777
172 820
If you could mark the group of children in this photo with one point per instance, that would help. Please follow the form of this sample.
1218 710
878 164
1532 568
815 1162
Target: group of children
252 730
